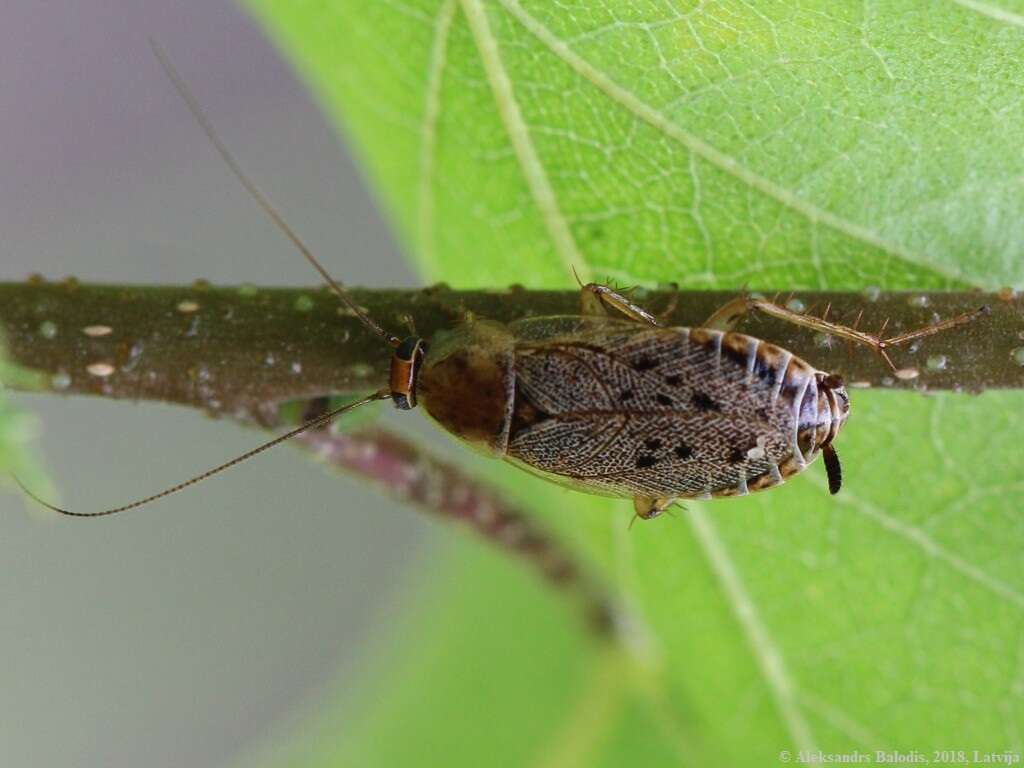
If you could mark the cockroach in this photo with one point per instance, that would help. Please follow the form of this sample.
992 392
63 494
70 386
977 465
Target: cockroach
608 401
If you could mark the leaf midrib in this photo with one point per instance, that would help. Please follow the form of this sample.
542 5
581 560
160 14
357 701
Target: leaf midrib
724 162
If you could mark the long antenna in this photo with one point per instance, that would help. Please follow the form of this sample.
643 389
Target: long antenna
318 421
262 200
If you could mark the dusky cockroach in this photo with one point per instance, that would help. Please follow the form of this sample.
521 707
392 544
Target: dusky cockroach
608 401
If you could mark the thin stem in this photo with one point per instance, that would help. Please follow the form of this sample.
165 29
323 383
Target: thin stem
402 469
230 349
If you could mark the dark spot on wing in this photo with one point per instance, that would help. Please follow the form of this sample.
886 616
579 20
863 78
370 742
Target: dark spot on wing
674 380
736 456
703 402
643 461
683 451
626 395
663 399
652 444
645 364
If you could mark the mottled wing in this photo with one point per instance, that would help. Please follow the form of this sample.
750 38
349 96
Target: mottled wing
628 410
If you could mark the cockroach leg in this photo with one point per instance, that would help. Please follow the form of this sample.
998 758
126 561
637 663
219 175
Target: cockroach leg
727 316
648 508
597 300
410 324
670 308
875 342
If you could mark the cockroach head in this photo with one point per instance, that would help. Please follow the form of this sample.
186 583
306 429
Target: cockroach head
405 371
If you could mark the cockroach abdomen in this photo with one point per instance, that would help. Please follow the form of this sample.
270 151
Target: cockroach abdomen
664 413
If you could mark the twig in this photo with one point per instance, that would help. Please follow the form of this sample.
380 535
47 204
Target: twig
410 474
228 350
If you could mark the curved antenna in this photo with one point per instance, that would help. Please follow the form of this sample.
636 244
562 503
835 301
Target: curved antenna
262 200
318 421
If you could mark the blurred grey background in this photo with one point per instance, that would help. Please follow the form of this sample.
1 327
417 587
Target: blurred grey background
188 632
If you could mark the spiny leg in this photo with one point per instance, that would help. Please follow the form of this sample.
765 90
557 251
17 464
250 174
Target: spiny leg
410 323
726 317
648 507
670 308
597 300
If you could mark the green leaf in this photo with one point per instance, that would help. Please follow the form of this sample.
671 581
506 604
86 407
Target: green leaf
711 144
784 146
17 429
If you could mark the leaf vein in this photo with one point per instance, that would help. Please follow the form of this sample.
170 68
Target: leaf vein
766 653
519 136
730 165
428 132
842 722
933 549
993 12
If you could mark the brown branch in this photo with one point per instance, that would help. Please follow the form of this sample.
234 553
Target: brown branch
230 349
